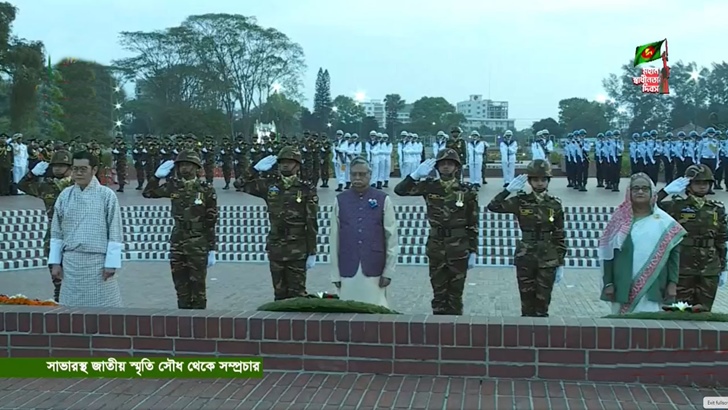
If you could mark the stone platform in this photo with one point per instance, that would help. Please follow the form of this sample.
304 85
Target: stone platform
243 227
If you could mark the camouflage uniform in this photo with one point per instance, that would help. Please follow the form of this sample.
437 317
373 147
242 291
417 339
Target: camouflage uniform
703 249
458 143
139 156
6 165
240 158
35 154
119 153
293 214
308 158
153 157
47 188
208 160
542 248
324 160
195 214
452 211
95 149
226 157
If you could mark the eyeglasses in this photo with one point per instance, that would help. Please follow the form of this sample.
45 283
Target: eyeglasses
640 189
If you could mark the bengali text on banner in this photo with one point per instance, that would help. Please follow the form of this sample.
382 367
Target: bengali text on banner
133 367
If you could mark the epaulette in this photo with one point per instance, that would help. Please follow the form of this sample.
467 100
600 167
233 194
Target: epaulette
718 204
521 193
555 198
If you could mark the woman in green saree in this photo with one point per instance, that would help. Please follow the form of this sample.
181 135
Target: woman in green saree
639 251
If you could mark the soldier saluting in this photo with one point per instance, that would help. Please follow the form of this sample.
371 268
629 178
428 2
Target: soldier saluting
540 253
193 239
46 186
703 249
452 211
293 214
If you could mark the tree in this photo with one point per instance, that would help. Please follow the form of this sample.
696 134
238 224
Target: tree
308 120
430 114
368 124
579 113
214 62
393 104
88 103
348 115
283 111
49 111
26 67
548 124
322 100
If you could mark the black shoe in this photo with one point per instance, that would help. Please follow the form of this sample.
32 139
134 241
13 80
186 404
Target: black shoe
386 184
340 188
348 185
121 189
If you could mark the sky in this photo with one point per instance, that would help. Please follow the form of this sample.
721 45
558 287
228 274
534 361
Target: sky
527 52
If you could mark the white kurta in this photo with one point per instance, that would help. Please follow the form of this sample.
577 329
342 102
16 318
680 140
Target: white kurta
86 237
362 288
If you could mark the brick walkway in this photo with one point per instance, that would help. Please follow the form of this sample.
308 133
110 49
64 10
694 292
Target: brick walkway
347 392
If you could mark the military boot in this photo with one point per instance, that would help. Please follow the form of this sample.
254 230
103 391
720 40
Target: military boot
718 186
227 186
379 184
324 184
582 188
340 188
139 186
121 188
348 185
386 184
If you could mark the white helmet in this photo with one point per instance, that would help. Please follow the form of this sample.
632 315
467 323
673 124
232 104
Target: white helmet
372 133
339 132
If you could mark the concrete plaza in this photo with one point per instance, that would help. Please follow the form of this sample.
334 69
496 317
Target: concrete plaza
245 286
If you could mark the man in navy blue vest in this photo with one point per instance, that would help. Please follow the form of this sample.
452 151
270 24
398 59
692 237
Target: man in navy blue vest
364 243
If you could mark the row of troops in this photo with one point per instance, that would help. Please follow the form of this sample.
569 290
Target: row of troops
452 211
18 155
648 152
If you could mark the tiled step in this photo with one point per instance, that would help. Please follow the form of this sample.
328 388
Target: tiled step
31 263
400 209
326 249
245 233
243 218
245 226
132 241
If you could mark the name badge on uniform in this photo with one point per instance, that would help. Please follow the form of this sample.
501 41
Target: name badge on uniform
434 196
526 212
687 213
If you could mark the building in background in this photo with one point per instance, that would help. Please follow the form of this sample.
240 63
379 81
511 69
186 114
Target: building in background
375 108
481 112
403 116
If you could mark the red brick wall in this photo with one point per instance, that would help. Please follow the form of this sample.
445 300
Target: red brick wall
558 349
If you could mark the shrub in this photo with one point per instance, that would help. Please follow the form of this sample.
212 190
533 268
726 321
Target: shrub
318 305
